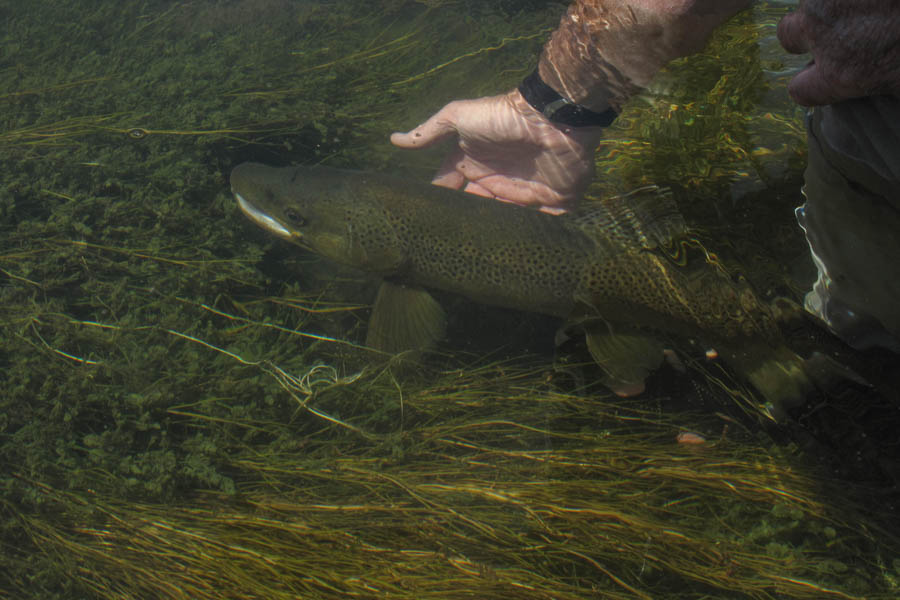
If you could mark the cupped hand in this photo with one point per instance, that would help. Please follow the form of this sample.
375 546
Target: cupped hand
855 47
507 150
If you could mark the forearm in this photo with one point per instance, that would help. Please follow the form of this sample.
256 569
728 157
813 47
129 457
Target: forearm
573 62
605 51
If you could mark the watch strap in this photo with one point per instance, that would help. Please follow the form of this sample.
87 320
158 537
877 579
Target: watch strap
558 109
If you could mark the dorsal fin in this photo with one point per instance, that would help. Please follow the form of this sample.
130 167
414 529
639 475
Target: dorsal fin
643 219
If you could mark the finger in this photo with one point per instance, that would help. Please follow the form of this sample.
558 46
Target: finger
437 127
477 189
474 188
521 191
793 35
810 88
448 175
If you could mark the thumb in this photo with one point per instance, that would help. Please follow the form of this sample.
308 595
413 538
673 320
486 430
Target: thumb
810 88
792 33
440 125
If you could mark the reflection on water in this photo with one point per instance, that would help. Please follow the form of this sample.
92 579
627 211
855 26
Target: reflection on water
187 407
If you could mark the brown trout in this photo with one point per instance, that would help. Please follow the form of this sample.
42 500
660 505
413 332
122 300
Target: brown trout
605 270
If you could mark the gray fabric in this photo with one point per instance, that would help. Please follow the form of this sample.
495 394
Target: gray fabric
862 138
852 219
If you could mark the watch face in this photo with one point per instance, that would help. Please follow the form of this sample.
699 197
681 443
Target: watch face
556 107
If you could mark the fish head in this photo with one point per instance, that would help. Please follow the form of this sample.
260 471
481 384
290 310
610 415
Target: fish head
320 209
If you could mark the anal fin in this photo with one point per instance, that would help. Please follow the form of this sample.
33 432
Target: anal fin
778 374
404 318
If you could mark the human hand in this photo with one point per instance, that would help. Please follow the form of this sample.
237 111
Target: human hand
507 150
855 47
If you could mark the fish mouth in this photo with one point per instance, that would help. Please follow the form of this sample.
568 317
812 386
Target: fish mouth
262 219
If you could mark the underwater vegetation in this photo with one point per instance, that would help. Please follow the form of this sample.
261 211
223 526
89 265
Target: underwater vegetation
187 409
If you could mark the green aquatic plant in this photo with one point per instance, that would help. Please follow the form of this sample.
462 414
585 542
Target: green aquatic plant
484 482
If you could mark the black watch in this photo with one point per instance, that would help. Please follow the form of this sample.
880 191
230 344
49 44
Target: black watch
558 109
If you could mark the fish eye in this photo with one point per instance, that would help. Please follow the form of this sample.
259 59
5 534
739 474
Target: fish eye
295 217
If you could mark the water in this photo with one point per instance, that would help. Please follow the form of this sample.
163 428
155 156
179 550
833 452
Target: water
186 408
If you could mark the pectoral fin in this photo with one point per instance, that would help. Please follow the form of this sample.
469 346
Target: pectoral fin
404 318
626 358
